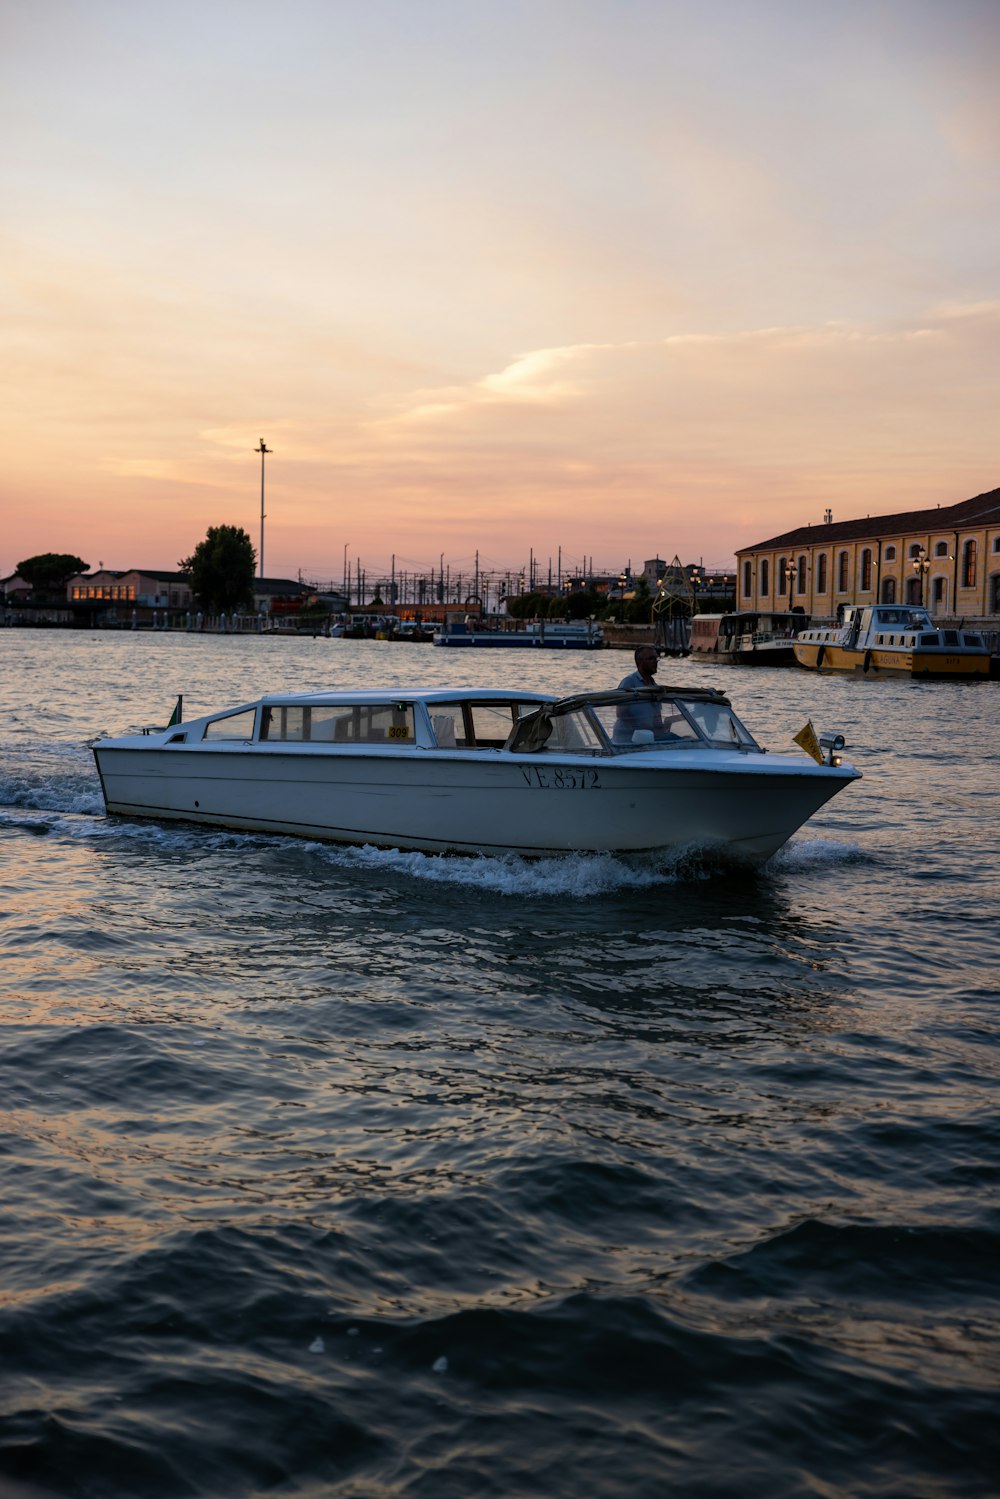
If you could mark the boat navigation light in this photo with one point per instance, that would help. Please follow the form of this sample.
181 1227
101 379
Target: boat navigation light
832 746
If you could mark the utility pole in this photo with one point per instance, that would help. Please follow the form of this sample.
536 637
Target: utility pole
262 450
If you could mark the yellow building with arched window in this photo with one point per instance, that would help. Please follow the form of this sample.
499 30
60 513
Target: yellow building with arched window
947 558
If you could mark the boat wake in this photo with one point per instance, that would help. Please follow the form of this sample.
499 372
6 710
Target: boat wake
579 876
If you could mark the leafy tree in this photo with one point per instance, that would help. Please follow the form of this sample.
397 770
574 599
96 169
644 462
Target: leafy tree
639 608
221 569
527 605
583 603
49 572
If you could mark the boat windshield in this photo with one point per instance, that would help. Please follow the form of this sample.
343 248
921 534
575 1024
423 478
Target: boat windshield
673 722
624 722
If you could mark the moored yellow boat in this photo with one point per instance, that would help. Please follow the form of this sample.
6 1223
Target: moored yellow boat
893 640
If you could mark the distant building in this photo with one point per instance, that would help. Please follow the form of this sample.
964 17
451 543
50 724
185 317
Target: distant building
14 588
145 595
947 558
144 588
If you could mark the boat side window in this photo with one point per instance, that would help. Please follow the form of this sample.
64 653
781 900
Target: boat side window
288 721
376 723
448 723
492 723
476 725
574 734
320 723
232 726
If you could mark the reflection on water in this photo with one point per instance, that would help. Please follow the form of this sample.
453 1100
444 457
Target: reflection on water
334 1170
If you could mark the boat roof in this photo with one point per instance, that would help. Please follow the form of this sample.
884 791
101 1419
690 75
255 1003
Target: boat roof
409 695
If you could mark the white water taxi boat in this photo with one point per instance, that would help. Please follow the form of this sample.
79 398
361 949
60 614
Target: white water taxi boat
899 640
478 771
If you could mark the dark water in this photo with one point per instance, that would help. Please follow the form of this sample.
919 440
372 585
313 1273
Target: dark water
338 1172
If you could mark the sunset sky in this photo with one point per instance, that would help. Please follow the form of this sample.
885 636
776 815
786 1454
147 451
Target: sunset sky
626 277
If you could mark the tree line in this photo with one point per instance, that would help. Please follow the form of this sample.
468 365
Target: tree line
220 569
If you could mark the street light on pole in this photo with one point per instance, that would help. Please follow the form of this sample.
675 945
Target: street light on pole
262 450
921 566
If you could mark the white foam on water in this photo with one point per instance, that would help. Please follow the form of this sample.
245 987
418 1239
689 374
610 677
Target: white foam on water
578 876
815 853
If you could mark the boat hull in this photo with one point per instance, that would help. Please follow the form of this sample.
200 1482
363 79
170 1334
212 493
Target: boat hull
749 656
743 807
885 662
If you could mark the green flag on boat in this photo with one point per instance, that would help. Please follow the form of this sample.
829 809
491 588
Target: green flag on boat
175 716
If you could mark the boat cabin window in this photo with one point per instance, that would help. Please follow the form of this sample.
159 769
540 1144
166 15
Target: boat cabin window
232 726
322 723
574 733
492 723
475 725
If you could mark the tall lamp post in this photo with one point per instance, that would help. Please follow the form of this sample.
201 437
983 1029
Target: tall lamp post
695 580
262 450
921 566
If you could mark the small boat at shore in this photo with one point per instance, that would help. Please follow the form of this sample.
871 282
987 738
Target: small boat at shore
899 640
579 635
747 637
479 771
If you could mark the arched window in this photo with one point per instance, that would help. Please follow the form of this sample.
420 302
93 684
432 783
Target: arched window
800 582
913 590
821 573
940 549
765 578
842 573
888 590
937 593
889 555
747 579
970 555
866 570
782 576
913 550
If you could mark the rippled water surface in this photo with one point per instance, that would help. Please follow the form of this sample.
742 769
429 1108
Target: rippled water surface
345 1172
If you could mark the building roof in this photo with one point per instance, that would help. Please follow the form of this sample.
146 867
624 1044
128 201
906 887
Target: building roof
981 510
280 586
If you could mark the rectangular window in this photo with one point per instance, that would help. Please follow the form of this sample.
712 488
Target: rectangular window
318 723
